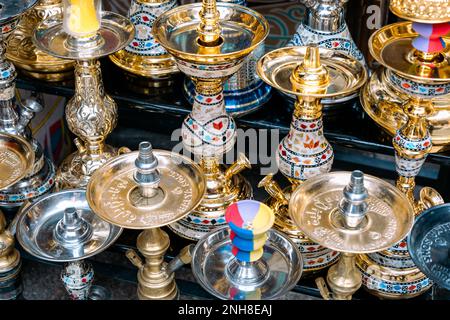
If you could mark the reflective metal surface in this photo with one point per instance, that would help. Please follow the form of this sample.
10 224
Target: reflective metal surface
346 75
212 255
392 47
429 244
314 208
426 11
116 32
10 9
242 30
38 223
114 195
16 159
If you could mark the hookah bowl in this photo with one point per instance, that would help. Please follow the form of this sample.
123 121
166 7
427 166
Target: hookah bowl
244 92
144 56
91 114
428 246
305 152
24 54
61 227
209 42
247 260
15 117
16 161
366 215
324 25
415 64
147 190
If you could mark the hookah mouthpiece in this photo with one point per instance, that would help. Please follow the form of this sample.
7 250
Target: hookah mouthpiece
353 205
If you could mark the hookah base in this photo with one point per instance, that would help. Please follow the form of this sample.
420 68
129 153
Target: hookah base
156 286
210 214
391 283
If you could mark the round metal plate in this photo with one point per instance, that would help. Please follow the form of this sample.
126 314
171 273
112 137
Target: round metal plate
16 159
213 252
111 188
314 209
38 221
429 244
116 31
346 74
10 9
391 45
243 30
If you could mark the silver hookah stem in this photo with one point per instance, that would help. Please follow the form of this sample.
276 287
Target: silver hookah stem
353 205
325 15
146 175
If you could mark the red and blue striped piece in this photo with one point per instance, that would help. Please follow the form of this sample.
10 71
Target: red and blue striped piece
430 36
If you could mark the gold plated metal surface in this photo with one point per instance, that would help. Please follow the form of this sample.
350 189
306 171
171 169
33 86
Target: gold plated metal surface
426 11
209 42
148 190
24 54
313 208
363 216
114 195
16 159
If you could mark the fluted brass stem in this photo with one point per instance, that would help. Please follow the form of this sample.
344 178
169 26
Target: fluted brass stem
209 28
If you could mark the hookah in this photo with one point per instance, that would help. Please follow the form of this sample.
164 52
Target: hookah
85 34
15 117
244 92
23 53
17 159
411 87
414 63
144 56
60 227
351 213
210 51
149 189
247 260
324 25
305 152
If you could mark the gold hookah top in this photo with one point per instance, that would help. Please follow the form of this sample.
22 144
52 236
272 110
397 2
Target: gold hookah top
323 73
317 207
426 11
146 189
16 159
393 46
210 33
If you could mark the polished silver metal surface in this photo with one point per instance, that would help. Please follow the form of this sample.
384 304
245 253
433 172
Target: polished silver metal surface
429 244
10 9
325 15
353 204
39 221
115 33
216 268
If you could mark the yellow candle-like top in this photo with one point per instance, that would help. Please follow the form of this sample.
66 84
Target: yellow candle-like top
81 17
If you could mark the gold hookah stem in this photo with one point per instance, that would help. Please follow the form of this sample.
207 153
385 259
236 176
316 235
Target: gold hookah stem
209 28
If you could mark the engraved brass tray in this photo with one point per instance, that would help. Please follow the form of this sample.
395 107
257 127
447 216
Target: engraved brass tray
112 191
37 223
116 31
314 209
391 46
429 244
346 74
16 159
